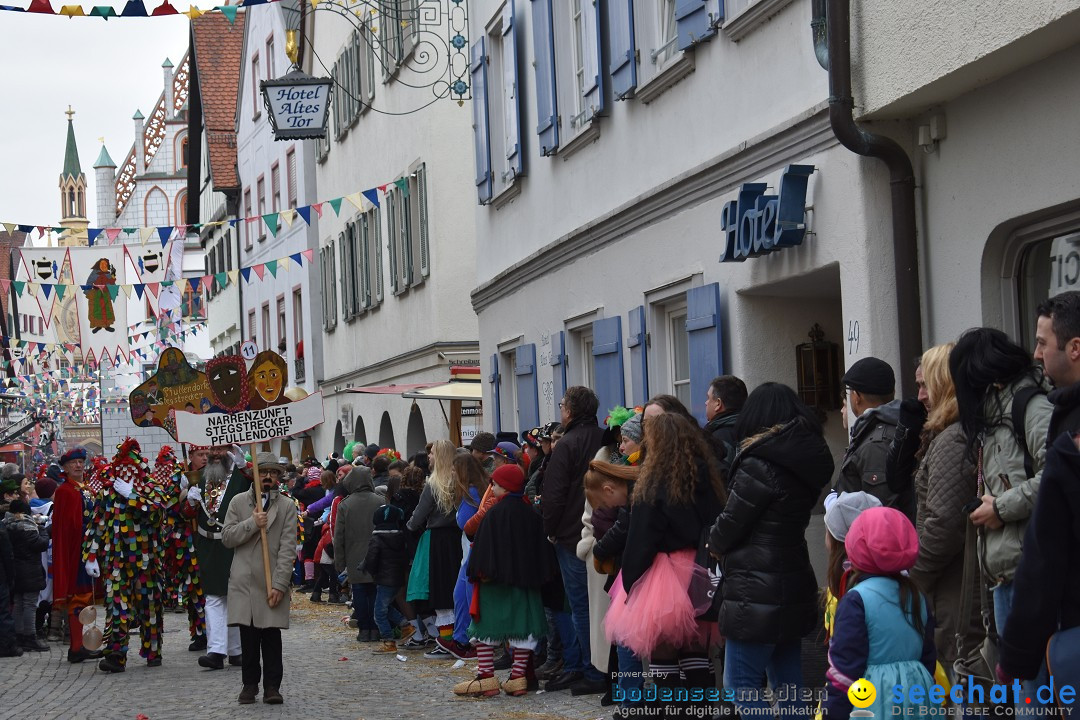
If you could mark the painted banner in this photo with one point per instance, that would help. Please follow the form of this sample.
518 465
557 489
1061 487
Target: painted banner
102 308
250 426
49 266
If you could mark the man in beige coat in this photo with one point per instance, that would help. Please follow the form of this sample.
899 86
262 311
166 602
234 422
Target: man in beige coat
259 617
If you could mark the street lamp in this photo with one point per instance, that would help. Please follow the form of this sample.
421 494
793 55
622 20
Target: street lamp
298 104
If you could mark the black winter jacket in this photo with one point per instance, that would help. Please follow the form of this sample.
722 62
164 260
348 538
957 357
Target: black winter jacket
562 501
660 526
1066 417
7 560
387 559
722 431
28 541
769 590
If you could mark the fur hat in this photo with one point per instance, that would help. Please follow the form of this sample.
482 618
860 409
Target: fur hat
841 510
882 541
509 477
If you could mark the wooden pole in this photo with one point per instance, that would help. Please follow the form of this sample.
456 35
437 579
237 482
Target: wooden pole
455 422
262 531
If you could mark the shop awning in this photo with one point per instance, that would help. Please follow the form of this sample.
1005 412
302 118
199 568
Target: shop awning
448 391
14 447
393 389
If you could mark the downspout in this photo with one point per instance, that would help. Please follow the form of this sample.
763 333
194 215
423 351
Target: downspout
837 60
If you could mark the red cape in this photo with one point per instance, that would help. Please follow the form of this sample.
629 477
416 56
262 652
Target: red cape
67 538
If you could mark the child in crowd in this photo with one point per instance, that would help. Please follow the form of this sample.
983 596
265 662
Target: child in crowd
387 562
883 630
28 540
510 564
840 511
470 481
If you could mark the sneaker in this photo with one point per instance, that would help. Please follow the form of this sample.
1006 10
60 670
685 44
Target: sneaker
458 650
413 643
387 647
438 653
405 632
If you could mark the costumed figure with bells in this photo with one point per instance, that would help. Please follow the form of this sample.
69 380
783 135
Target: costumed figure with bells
181 563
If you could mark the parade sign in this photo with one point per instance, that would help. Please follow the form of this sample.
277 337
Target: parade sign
250 426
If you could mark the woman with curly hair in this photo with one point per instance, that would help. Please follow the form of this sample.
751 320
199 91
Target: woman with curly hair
661 590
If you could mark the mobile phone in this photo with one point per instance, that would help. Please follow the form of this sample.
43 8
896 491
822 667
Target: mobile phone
972 506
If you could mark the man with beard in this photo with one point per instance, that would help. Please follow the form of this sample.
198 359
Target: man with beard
72 587
207 501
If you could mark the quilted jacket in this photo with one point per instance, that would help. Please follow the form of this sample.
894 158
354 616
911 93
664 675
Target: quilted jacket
944 483
1003 469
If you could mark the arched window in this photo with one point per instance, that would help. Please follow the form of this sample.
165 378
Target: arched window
181 208
82 204
71 203
184 153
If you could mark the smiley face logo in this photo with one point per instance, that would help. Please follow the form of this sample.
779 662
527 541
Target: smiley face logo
862 693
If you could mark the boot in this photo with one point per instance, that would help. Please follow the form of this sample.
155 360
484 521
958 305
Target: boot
114 663
333 599
248 694
316 596
12 650
31 643
78 656
271 696
212 661
386 648
197 643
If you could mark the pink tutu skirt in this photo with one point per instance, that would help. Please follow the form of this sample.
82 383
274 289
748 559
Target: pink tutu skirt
659 609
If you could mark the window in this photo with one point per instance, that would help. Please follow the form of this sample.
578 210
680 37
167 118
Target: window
369 259
368 66
1048 267
282 332
252 335
329 286
267 341
270 58
247 214
184 152
577 32
496 107
580 358
679 356
657 29
576 29
408 230
349 276
290 171
298 333
260 193
255 77
397 33
275 188
668 35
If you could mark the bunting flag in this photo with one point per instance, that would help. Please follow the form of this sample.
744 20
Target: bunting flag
133 9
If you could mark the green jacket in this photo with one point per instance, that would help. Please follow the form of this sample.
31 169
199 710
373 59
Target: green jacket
214 558
1005 477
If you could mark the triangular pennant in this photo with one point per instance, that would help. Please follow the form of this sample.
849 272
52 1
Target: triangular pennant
283 264
317 207
46 288
127 289
271 220
112 233
114 291
60 290
233 275
260 270
305 212
5 285
403 186
10 227
193 12
103 11
246 272
309 254
164 9
271 265
229 11
287 217
41 6
336 205
222 279
138 287
356 199
145 234
295 257
372 196
92 234
72 11
153 288
206 280
194 283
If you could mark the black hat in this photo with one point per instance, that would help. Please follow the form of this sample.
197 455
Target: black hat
871 376
371 451
388 517
507 436
20 506
483 442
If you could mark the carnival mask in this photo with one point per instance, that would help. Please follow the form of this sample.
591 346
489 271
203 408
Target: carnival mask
227 376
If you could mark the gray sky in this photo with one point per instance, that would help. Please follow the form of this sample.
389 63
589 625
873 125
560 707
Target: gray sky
104 69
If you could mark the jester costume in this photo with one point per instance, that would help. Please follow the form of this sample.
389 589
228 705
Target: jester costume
178 534
122 543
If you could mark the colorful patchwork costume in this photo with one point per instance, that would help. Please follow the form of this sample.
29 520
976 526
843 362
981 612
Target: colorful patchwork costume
178 534
122 544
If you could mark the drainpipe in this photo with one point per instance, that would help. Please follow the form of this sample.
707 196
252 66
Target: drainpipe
837 60
821 35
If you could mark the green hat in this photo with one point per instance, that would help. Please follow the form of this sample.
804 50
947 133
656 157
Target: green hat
10 485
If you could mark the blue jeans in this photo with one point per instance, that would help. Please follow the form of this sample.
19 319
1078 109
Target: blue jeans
386 615
576 587
1003 603
463 591
746 662
363 605
631 674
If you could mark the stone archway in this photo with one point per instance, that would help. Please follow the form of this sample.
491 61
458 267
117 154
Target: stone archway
386 432
360 432
415 436
339 438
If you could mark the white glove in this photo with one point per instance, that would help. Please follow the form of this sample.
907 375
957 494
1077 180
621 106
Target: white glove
194 496
93 569
123 487
184 483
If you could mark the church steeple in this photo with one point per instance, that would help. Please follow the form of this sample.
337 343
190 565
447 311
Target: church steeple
72 190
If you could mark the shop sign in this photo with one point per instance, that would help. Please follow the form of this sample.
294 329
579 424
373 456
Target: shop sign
757 224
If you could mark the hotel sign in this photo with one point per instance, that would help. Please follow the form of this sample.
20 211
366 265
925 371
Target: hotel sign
757 224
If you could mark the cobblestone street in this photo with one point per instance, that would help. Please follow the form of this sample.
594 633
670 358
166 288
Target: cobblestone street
328 676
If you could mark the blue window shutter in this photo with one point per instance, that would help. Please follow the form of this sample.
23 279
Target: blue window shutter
639 357
693 22
547 106
511 84
594 65
481 126
610 382
623 48
528 409
703 331
558 364
495 379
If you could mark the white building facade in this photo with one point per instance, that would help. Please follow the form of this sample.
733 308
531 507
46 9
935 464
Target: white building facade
279 311
396 276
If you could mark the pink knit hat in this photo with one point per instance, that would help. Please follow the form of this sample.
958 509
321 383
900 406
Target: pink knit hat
882 541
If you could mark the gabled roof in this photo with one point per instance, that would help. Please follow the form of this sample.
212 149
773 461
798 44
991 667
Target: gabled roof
218 55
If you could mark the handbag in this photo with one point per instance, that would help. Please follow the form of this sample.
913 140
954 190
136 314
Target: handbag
706 596
981 663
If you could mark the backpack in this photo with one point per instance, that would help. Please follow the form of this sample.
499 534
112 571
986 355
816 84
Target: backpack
1021 399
